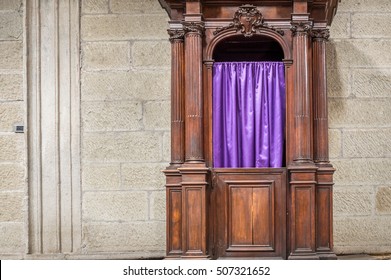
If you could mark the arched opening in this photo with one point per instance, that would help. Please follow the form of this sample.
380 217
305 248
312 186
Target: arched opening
259 95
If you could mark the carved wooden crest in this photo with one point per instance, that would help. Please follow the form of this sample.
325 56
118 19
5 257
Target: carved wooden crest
248 20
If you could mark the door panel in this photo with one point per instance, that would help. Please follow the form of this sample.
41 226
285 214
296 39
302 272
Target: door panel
250 212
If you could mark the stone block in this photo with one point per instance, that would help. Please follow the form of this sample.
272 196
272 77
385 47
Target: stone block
12 177
157 115
135 6
124 237
366 171
140 85
338 82
151 54
11 5
158 206
167 147
353 201
362 231
10 114
11 207
123 27
361 53
105 56
341 26
11 55
371 25
119 206
148 176
371 82
95 6
122 147
11 86
112 116
11 26
101 176
335 146
364 6
12 147
367 143
359 113
13 238
383 200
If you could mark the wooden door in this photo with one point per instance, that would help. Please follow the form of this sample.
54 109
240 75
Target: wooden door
249 212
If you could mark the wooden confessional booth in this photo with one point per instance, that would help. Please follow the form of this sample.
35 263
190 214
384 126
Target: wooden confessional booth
216 211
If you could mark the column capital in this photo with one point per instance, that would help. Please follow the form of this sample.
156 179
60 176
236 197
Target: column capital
176 35
301 27
197 27
320 34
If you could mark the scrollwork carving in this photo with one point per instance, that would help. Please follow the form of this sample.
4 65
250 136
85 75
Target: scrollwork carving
301 27
176 34
320 34
194 27
248 20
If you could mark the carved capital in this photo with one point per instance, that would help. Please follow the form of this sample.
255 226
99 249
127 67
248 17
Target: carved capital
320 34
301 27
176 34
194 27
248 20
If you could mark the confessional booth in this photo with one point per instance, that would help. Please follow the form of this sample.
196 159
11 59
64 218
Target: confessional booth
249 175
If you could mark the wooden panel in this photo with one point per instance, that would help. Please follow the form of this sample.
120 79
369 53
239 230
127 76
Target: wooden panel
193 208
240 218
263 219
174 217
303 219
323 215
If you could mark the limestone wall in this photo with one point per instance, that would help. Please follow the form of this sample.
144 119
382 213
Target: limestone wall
359 87
13 212
125 132
125 93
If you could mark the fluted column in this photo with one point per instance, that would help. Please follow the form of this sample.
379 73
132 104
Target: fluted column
324 174
302 91
177 96
193 87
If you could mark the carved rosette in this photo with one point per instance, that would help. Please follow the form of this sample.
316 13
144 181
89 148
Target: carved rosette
320 34
301 28
176 34
248 20
197 28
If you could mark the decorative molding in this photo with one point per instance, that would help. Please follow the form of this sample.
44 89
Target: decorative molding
248 19
320 34
197 28
301 27
176 34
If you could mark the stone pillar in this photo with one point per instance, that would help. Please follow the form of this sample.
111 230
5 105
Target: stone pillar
324 175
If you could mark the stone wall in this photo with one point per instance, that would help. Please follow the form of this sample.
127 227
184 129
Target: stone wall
125 129
125 93
359 86
13 222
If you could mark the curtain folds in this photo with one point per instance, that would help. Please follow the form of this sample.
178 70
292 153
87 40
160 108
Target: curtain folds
248 114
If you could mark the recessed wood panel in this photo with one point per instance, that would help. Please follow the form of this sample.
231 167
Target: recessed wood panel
323 213
303 217
240 226
175 225
263 218
193 219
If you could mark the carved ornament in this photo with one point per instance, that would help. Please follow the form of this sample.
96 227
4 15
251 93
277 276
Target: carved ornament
320 34
194 27
301 27
176 34
248 20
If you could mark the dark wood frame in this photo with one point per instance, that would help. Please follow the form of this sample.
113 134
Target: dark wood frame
194 193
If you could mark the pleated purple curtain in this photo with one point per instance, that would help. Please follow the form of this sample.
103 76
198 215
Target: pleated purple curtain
248 114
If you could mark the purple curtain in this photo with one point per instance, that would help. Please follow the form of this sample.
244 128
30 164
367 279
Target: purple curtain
248 114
